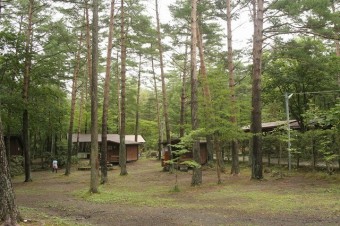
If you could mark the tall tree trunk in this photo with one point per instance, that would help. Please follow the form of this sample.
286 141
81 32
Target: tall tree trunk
25 119
157 110
165 101
9 213
73 104
138 97
183 93
118 92
89 58
206 92
197 172
218 158
235 168
94 102
80 117
122 146
88 41
106 97
337 43
256 118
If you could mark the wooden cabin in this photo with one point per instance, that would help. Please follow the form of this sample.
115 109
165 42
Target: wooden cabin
16 144
187 156
113 141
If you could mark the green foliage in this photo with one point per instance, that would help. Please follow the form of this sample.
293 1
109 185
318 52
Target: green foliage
300 66
318 17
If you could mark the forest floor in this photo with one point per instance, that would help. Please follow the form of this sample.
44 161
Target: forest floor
146 196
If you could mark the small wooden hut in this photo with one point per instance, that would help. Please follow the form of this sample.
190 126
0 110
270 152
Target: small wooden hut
188 155
113 141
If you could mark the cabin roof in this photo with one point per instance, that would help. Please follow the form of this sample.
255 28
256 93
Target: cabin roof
177 140
115 138
269 126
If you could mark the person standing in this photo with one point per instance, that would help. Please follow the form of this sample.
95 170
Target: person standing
55 166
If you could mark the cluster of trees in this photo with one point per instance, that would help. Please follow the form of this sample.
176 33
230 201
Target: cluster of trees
67 65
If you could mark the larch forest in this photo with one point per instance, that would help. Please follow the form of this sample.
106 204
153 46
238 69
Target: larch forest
105 67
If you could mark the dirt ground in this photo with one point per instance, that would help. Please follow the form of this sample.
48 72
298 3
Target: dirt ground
50 199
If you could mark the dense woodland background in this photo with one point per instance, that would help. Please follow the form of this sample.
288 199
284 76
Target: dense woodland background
45 66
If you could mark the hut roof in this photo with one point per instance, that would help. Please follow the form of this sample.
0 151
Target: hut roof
115 138
269 126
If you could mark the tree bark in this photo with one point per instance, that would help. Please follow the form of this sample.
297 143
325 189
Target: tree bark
73 104
106 98
26 85
8 146
9 213
197 172
94 102
235 168
122 147
256 117
164 93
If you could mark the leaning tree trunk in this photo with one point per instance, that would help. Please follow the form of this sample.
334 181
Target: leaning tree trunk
106 98
235 168
256 117
9 213
94 102
197 172
25 119
122 146
73 105
165 102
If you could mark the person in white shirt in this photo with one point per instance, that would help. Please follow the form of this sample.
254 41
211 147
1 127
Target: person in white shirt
55 166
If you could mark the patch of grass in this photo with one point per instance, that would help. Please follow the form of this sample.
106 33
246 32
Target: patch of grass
143 197
175 189
31 214
304 201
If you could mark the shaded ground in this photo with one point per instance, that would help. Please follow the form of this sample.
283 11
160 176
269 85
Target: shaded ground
144 198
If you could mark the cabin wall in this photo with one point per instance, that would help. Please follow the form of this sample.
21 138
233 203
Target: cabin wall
15 146
204 153
113 152
131 153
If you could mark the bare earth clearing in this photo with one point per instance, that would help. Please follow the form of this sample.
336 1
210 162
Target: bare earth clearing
144 197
